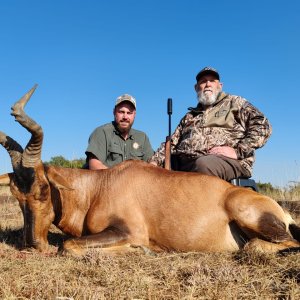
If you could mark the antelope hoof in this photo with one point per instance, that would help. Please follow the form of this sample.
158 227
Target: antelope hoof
70 248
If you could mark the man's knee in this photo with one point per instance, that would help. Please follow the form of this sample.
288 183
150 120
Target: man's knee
205 165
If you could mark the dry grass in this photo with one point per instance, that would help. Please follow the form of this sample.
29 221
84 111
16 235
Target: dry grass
240 275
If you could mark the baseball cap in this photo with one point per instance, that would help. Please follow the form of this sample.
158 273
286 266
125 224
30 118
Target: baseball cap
126 97
208 70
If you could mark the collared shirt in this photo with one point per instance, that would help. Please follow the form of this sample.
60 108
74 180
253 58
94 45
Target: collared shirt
107 144
232 121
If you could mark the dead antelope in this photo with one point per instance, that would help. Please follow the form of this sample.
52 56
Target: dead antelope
135 204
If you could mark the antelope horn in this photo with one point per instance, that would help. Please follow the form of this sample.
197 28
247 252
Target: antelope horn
32 153
23 101
5 179
13 148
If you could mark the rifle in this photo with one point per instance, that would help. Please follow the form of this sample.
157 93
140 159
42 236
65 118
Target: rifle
168 138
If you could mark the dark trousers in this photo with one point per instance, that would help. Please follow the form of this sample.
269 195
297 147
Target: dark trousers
216 165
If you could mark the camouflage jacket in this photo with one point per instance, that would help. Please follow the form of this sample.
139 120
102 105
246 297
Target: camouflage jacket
232 121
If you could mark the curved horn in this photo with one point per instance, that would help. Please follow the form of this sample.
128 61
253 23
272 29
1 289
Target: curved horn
13 148
32 153
23 101
5 178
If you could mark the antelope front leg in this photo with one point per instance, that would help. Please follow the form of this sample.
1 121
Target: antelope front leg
110 241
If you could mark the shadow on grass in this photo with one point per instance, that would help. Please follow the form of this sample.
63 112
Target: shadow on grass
14 238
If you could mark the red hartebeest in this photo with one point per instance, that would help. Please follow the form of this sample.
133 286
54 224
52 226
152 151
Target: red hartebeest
139 205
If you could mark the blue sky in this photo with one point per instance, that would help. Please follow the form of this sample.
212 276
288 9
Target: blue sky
83 54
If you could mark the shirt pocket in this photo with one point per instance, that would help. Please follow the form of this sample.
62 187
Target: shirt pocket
136 154
115 153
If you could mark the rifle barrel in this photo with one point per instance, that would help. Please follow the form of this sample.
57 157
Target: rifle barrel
168 138
170 110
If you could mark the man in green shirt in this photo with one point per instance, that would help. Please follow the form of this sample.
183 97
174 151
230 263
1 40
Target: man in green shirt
115 142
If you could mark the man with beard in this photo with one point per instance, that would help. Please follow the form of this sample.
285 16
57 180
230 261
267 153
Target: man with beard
219 136
115 142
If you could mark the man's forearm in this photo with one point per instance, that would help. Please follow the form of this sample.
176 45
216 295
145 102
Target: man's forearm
96 164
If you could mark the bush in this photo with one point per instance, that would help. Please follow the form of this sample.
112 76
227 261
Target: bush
62 162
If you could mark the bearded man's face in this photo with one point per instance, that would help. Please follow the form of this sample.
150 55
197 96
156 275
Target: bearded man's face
208 89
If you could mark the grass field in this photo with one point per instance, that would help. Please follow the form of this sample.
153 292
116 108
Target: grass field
239 275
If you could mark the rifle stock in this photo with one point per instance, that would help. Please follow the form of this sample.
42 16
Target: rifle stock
168 153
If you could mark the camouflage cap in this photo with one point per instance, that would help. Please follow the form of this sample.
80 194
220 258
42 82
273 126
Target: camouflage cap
124 98
208 70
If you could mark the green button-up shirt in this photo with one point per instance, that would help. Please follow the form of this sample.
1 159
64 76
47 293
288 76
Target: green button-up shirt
107 144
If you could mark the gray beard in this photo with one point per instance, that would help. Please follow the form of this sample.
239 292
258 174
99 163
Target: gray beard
206 99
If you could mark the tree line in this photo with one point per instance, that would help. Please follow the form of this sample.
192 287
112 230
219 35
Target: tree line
60 161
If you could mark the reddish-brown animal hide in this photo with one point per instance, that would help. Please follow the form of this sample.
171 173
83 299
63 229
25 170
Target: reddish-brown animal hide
135 204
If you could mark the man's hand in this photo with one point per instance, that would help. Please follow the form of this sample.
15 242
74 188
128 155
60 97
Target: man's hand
223 150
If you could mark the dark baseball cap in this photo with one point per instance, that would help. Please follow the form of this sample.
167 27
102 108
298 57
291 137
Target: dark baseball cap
208 70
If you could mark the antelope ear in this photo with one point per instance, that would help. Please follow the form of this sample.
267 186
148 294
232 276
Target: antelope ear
57 180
